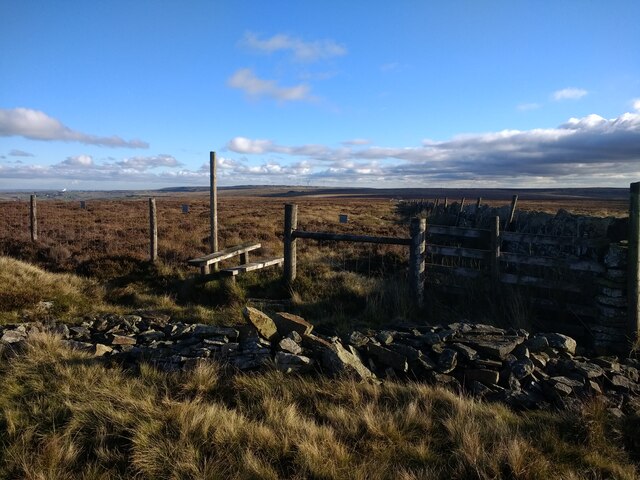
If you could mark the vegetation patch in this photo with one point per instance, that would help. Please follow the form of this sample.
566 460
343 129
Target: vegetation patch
63 414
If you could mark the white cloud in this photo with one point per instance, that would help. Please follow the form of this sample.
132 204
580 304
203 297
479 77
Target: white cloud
245 80
523 107
20 153
142 164
588 151
37 125
585 150
636 104
569 94
79 161
302 51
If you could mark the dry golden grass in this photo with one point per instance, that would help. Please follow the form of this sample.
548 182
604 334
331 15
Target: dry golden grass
66 415
25 286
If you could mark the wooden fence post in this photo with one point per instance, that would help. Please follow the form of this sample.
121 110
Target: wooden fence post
290 224
460 211
153 231
495 253
476 217
34 219
633 262
213 206
418 228
514 202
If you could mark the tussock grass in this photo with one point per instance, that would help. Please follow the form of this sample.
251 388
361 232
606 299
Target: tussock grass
64 414
24 286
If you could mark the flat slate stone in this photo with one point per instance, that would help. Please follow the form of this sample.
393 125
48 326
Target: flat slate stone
482 375
388 357
203 331
122 340
288 345
496 346
288 322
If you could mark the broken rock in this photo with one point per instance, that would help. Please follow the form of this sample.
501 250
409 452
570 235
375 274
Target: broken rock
264 324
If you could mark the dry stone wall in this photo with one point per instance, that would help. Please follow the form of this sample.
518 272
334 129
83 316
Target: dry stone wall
604 293
511 366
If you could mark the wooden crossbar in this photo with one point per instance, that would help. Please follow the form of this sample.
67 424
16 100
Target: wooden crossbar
216 257
344 237
248 267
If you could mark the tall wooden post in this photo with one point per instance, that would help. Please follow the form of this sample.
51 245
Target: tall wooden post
476 217
213 204
495 253
633 262
514 202
34 219
418 228
290 224
153 231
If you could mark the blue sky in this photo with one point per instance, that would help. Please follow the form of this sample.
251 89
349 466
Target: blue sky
134 94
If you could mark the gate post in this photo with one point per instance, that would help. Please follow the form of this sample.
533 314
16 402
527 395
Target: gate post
417 249
633 262
290 224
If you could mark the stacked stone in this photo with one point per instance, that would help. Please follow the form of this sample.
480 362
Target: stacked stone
509 366
610 327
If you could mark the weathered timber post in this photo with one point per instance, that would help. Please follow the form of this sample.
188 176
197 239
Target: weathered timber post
633 262
153 231
34 219
290 224
445 203
213 206
476 218
83 205
495 253
244 259
418 228
460 211
514 202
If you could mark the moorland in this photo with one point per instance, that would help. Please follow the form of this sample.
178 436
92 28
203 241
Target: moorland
65 414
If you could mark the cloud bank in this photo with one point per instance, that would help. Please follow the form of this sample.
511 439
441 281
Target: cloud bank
587 151
37 125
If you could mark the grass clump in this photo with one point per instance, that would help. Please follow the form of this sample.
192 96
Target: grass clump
24 286
64 414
